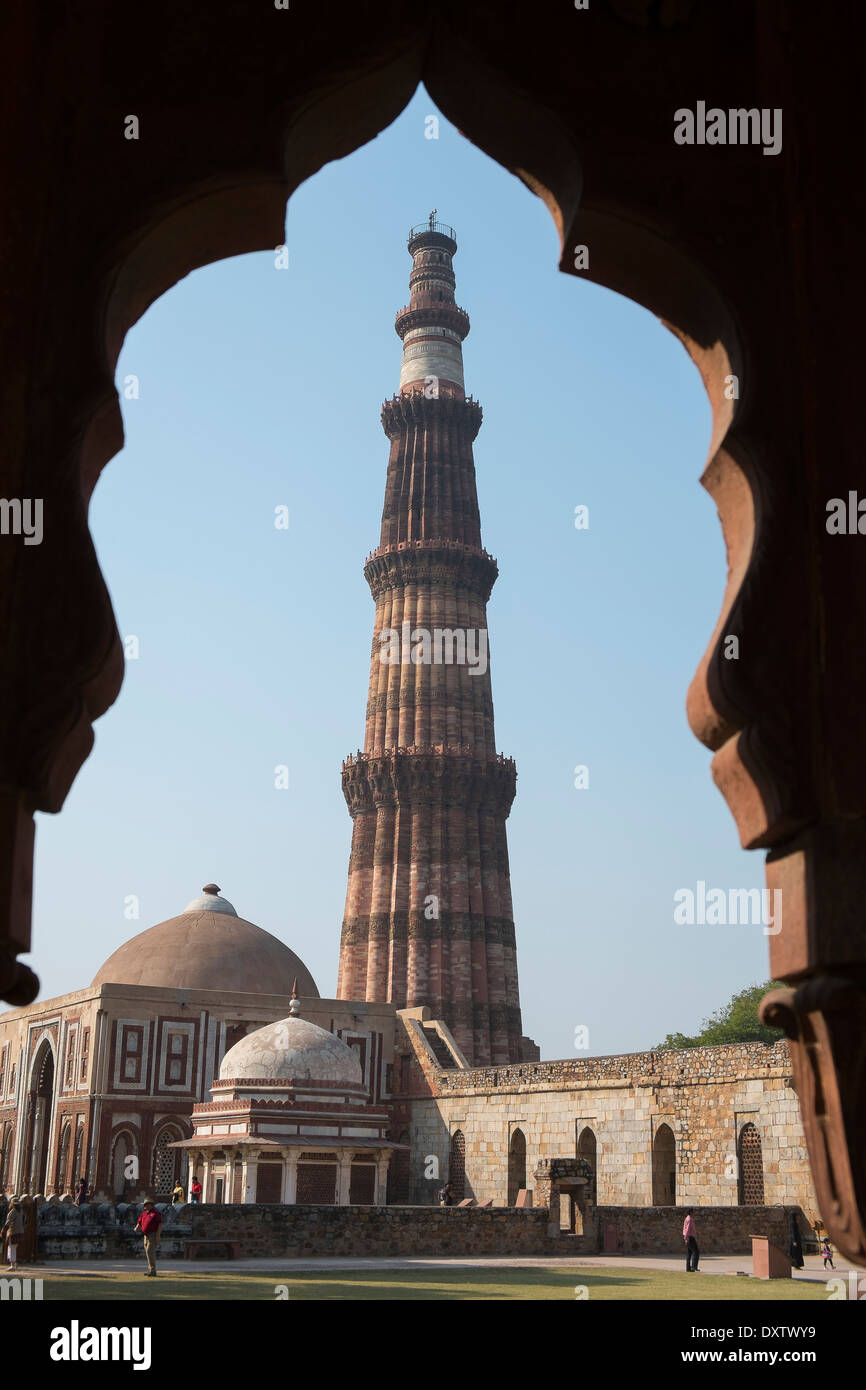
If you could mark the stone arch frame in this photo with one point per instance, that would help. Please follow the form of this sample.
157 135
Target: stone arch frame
664 1166
750 1176
457 1164
78 1164
7 1152
40 1116
126 1135
516 1164
588 1148
789 752
64 1162
176 1130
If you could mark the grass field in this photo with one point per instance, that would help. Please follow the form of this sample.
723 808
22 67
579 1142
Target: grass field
504 1284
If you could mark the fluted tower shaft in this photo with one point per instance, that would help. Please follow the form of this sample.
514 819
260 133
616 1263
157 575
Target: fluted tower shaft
428 915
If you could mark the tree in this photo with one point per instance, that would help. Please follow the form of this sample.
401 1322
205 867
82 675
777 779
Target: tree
735 1023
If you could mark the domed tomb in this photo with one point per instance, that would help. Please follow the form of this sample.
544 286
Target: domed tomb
293 1049
208 946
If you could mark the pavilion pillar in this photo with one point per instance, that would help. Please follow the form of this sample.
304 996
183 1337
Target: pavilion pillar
344 1178
382 1164
290 1177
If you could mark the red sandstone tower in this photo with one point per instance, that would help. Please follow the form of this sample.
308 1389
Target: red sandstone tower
428 909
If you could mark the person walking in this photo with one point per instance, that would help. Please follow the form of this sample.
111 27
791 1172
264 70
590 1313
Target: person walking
149 1224
81 1192
177 1194
690 1236
795 1247
827 1253
13 1231
446 1195
195 1190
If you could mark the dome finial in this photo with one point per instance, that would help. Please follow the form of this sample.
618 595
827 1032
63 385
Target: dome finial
210 888
294 1002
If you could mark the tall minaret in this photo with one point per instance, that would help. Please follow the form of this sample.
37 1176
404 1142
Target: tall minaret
428 910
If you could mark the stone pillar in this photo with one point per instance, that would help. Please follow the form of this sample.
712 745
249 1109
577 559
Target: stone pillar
344 1178
382 1163
229 1184
290 1188
205 1179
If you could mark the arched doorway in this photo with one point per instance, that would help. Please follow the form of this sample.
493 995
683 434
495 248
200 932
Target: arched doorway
41 1107
751 1180
166 1162
516 1165
457 1165
78 1161
122 1149
62 1184
7 1139
664 1168
587 1147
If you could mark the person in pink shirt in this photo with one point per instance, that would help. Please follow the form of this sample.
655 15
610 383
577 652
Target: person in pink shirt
690 1236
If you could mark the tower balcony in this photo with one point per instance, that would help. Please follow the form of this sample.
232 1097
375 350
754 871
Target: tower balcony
426 312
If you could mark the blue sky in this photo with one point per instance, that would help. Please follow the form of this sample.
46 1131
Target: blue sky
262 387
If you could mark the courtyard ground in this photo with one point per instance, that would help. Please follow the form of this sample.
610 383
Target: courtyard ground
605 1278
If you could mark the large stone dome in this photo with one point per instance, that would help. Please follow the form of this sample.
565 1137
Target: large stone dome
208 947
292 1050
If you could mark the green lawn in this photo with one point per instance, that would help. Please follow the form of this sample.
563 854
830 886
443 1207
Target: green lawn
557 1283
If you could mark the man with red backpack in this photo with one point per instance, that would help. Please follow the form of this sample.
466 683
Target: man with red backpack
149 1224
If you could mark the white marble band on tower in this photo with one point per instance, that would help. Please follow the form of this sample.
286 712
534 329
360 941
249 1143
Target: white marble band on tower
431 352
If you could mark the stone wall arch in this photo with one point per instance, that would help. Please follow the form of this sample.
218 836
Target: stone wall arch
166 1166
751 1166
457 1165
587 1147
664 1167
516 1165
124 1145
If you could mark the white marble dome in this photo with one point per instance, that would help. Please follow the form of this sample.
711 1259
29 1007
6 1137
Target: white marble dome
211 902
292 1050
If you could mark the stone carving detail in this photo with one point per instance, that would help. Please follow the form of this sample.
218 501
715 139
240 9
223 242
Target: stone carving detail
824 1019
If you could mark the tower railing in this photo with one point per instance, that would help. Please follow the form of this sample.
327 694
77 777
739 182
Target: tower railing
428 226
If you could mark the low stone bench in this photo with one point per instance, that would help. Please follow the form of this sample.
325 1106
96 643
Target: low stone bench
192 1247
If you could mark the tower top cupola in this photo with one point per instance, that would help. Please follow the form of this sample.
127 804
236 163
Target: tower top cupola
432 326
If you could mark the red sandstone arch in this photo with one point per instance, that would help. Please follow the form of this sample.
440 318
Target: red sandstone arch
578 115
124 1145
39 1122
64 1158
166 1164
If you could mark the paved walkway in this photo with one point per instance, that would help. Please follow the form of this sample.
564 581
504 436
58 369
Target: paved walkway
710 1264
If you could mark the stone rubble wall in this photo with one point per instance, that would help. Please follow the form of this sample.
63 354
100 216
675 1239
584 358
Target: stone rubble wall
720 1230
94 1232
705 1095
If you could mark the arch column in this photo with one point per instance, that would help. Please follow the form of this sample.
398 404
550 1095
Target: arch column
382 1164
344 1178
290 1176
